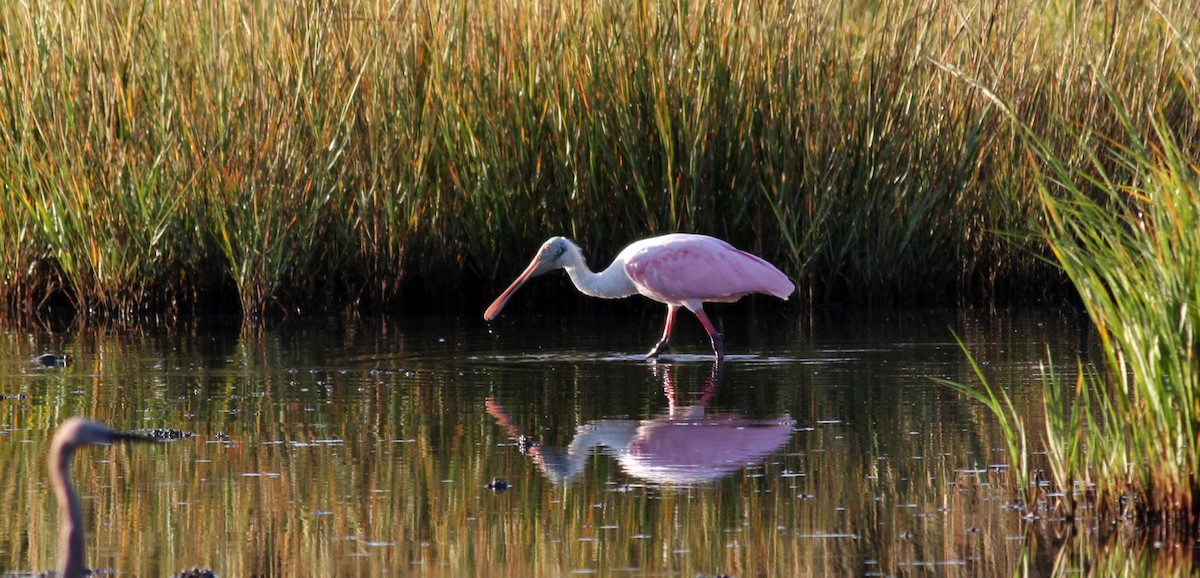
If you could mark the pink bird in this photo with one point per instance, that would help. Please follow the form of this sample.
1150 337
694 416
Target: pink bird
680 270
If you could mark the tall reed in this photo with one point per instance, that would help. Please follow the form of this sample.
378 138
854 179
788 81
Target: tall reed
155 153
1123 228
1135 258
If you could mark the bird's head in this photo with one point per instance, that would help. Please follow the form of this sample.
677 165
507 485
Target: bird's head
555 253
76 432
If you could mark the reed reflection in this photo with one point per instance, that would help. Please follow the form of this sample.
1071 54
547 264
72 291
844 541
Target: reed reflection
686 445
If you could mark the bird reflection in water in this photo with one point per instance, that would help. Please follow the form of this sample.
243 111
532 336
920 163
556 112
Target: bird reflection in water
686 445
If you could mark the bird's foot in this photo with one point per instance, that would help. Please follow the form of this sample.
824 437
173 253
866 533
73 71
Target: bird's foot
660 347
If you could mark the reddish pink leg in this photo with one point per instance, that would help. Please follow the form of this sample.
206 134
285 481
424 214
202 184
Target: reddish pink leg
663 343
718 344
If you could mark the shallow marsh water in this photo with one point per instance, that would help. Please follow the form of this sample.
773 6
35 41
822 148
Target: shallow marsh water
363 448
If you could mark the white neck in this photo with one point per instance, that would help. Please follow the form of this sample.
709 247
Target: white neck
611 283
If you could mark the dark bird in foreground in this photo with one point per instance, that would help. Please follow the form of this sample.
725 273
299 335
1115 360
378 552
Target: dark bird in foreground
74 433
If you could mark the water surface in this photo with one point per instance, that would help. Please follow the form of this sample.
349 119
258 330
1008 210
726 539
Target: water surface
350 447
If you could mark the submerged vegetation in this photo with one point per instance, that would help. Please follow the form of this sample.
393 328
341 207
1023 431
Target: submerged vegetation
156 155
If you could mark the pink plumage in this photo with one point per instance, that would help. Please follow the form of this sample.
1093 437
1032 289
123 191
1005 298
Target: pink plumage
679 270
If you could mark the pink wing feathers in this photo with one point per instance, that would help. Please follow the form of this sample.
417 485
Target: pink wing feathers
678 268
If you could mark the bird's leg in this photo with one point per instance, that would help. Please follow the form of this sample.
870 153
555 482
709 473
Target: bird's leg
718 344
665 342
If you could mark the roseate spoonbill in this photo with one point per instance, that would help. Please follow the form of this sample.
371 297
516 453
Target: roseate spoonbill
73 433
679 270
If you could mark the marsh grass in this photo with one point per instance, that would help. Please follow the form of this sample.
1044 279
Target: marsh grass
1135 257
1012 426
154 153
1122 227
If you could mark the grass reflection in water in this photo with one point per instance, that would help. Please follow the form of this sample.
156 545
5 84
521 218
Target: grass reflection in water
363 451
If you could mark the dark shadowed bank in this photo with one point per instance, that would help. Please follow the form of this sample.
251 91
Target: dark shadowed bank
170 158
